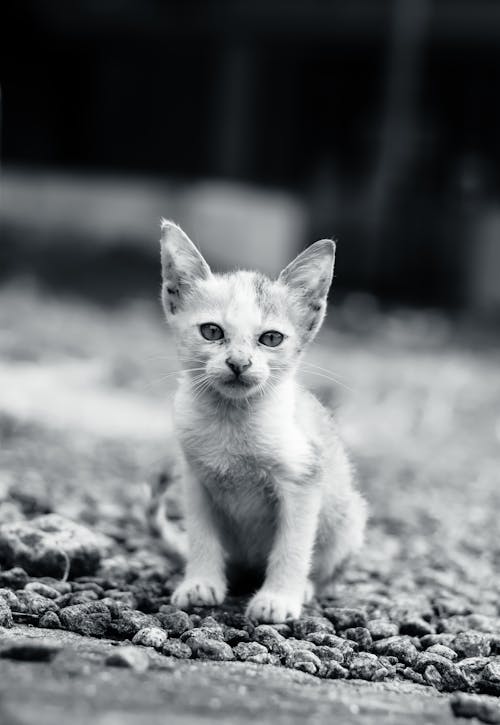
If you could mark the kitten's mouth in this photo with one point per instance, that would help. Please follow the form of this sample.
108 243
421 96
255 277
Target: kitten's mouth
237 386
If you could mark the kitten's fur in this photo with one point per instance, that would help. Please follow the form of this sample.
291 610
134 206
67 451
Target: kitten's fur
267 482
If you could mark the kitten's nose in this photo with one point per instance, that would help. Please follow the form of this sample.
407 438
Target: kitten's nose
238 366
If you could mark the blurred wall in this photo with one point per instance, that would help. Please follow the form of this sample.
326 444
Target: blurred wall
375 122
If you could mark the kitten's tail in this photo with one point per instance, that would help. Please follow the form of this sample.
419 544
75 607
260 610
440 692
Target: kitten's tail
165 517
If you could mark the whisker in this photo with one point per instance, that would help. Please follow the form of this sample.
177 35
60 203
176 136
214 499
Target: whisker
327 377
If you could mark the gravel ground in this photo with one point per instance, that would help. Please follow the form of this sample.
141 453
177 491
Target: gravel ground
85 431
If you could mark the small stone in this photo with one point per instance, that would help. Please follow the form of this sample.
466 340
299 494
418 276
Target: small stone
50 620
345 618
415 627
333 671
303 660
36 604
209 622
46 545
30 650
126 598
431 639
398 646
129 656
268 636
331 640
486 709
360 635
471 644
212 649
82 597
382 628
12 600
410 674
432 677
194 638
443 651
176 623
176 648
129 622
326 654
233 636
92 619
15 578
451 676
307 624
380 675
42 589
244 650
490 678
282 628
150 637
6 619
115 608
363 666
265 658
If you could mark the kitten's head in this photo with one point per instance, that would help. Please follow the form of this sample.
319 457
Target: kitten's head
239 333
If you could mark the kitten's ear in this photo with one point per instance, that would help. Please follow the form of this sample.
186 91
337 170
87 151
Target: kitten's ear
310 275
181 264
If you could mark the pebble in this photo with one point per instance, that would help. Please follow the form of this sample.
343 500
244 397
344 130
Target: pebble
129 622
471 644
12 600
36 603
43 589
432 677
150 637
46 544
490 678
443 651
176 622
15 578
91 619
397 646
360 635
303 660
333 671
269 637
50 620
327 654
244 650
195 637
233 636
30 650
381 628
363 666
415 627
211 649
345 618
129 656
486 709
176 648
308 624
6 619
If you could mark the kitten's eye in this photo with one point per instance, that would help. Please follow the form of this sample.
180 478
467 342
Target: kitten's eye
271 338
211 331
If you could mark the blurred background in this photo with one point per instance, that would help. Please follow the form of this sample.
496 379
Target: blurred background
259 126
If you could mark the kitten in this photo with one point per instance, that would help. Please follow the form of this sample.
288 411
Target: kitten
267 482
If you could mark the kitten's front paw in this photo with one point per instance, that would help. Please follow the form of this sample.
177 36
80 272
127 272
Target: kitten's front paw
198 593
266 606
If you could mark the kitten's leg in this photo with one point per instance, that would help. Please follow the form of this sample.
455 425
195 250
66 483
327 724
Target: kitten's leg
309 592
286 582
204 582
